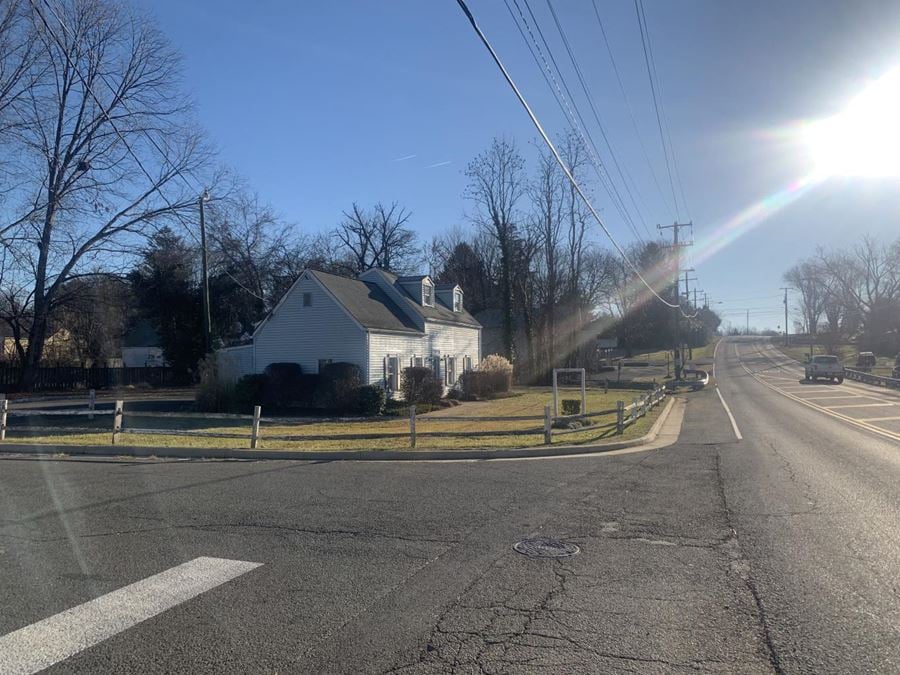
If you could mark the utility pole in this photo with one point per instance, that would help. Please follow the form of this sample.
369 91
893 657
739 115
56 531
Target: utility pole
747 332
676 334
207 331
787 339
687 300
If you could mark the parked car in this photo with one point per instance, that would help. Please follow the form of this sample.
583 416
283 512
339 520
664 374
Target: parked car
824 366
865 361
896 371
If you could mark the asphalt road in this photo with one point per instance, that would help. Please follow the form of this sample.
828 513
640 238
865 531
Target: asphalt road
775 553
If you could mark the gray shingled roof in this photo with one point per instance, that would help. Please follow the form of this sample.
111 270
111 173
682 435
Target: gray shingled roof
367 303
439 312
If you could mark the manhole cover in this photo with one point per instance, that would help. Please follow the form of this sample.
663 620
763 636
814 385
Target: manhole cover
546 548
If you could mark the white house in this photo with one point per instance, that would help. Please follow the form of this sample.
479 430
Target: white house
379 321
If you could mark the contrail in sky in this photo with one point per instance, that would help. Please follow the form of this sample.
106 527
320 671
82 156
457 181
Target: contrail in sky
433 166
403 159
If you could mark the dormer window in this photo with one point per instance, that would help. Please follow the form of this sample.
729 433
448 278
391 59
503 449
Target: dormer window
427 293
457 300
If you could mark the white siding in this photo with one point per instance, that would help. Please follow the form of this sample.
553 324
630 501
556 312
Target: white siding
455 341
235 362
304 335
439 340
382 345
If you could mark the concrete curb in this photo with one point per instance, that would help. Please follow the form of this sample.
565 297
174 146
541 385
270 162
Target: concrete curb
339 455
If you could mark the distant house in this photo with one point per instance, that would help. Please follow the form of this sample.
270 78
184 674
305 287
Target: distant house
141 347
378 321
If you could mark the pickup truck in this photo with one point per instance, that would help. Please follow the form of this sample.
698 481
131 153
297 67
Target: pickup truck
822 366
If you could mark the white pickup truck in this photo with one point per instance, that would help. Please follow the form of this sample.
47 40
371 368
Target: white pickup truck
822 366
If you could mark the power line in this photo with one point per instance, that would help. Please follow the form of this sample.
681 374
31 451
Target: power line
555 152
631 114
590 100
662 138
665 114
570 112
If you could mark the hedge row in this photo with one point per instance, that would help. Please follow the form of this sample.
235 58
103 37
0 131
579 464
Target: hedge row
337 386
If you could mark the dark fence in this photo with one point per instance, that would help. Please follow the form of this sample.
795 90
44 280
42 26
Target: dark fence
62 378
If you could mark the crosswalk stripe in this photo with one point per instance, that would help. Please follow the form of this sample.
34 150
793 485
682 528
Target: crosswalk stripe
54 639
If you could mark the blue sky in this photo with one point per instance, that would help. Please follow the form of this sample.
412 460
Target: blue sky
315 104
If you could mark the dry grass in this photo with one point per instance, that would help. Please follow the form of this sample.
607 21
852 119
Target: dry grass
846 353
339 435
705 352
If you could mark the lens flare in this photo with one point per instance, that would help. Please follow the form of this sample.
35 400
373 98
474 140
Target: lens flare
864 139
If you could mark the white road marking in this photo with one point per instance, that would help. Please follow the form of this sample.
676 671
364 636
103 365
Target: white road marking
45 643
863 405
881 419
832 398
737 432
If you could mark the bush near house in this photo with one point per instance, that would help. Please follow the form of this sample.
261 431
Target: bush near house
370 400
338 385
283 382
418 384
213 394
251 390
494 376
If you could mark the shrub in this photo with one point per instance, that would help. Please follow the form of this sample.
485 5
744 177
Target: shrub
307 390
213 393
338 385
251 390
571 406
499 373
370 400
419 385
284 383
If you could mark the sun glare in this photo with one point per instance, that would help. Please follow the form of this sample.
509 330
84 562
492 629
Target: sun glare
864 139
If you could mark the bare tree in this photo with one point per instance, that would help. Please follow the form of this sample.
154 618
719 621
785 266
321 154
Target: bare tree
868 279
17 52
496 184
810 280
90 183
548 202
378 238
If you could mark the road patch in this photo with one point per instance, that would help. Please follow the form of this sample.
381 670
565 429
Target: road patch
56 638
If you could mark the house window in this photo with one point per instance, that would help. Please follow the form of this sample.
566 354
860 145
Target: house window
457 301
450 371
427 293
418 361
392 373
307 299
323 363
436 366
467 364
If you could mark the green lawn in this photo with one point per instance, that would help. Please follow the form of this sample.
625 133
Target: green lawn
338 435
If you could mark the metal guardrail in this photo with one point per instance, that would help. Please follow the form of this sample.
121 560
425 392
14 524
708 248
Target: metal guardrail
870 378
622 416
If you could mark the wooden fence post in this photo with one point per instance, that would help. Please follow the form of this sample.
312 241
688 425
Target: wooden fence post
117 420
92 402
412 426
4 407
620 417
548 426
254 430
606 386
583 392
